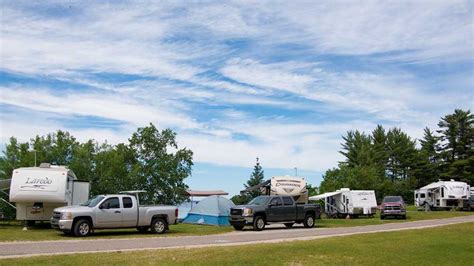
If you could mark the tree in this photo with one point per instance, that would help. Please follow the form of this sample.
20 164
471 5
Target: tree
256 178
457 148
162 166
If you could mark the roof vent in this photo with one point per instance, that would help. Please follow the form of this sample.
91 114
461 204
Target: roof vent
452 180
45 165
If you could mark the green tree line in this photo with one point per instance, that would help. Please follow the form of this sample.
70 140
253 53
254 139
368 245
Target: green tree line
150 161
392 163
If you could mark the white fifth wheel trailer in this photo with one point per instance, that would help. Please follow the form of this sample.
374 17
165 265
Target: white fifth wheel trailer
37 191
442 195
289 186
344 201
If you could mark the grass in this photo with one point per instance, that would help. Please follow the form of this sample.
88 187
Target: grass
12 231
447 245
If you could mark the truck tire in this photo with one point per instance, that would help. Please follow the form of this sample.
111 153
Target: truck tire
143 229
289 225
308 221
259 223
158 226
82 228
238 227
382 217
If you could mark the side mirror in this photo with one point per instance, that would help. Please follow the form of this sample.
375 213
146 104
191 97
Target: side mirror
102 206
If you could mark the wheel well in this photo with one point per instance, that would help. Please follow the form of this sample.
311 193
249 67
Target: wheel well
260 214
162 216
312 213
88 218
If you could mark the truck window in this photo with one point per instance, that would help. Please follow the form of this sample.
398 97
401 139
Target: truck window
111 203
127 202
275 201
287 201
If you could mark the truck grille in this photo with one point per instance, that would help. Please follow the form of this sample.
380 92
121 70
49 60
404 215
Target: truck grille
236 211
392 208
55 220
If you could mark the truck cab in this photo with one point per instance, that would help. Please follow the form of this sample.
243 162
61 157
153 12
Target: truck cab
264 210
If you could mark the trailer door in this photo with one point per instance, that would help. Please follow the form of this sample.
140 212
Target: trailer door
80 192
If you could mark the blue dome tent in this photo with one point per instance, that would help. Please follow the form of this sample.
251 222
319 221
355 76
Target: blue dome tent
213 210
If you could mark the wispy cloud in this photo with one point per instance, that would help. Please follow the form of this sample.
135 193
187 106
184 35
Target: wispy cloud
282 80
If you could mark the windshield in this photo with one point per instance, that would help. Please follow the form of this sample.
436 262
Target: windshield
260 200
392 199
93 202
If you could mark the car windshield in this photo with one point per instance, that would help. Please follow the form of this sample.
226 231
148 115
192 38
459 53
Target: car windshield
260 200
392 199
93 202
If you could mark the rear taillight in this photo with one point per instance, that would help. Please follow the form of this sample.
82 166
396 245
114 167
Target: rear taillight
176 213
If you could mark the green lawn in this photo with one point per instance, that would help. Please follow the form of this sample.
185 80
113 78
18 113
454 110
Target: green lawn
447 245
12 231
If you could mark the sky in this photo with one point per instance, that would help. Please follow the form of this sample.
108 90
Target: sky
278 80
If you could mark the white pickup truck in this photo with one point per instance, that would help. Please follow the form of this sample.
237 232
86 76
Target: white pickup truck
113 211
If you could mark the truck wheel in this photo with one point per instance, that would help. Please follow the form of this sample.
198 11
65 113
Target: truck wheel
158 226
308 221
238 227
82 228
404 217
259 223
289 225
142 229
382 217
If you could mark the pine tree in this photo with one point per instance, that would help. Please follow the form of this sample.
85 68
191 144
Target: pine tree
457 150
255 178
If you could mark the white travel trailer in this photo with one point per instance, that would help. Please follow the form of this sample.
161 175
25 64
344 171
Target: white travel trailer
37 191
289 186
344 201
442 195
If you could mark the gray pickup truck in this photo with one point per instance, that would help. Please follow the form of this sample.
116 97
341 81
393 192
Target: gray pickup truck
113 211
263 210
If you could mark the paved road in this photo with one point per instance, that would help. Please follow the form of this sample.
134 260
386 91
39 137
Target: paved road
271 235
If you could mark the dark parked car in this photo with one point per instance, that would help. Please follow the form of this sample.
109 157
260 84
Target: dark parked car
263 210
393 206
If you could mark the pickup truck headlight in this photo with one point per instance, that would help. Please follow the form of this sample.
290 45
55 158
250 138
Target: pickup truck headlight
66 216
247 212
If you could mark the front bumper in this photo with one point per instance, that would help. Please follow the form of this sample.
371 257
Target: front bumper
61 225
393 212
241 220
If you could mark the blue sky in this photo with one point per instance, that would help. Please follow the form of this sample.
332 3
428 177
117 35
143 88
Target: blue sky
281 80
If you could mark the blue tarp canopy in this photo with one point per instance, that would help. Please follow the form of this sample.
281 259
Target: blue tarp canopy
213 210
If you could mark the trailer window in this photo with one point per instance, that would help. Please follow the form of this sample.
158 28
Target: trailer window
112 203
287 201
127 202
442 192
422 195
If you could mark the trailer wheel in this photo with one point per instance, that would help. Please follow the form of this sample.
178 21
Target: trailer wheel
158 226
259 223
82 228
308 221
289 225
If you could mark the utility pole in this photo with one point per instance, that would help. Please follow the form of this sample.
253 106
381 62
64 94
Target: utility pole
296 171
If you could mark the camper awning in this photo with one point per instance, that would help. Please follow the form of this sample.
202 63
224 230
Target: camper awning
205 193
325 195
